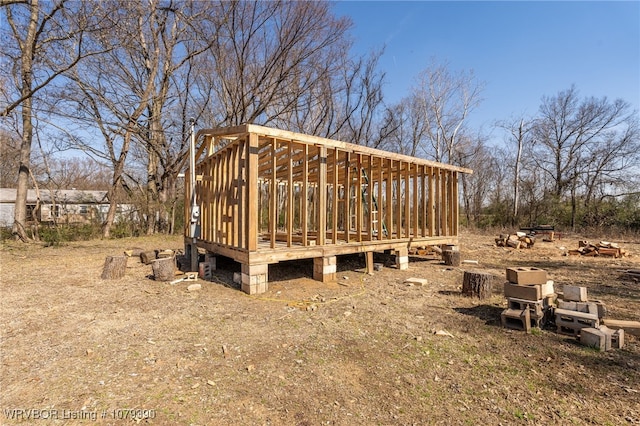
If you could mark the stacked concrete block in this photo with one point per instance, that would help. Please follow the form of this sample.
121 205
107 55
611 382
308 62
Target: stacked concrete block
575 312
527 289
325 268
254 278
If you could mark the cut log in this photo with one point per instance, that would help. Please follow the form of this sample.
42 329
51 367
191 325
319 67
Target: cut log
114 267
630 327
147 257
163 269
615 252
477 284
451 257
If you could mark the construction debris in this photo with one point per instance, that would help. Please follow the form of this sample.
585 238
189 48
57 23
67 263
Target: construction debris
603 248
189 276
532 303
517 240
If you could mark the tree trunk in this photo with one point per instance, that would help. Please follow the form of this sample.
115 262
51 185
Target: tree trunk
114 267
477 284
26 74
164 269
451 257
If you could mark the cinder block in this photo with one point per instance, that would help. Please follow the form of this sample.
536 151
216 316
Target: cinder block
547 288
204 271
526 275
588 307
568 305
615 338
574 293
537 310
211 259
516 319
602 308
526 292
571 322
255 269
257 288
594 338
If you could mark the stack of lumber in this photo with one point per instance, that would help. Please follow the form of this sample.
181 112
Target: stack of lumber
603 248
517 240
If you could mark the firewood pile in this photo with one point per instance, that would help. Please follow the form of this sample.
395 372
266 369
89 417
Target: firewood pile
517 240
603 248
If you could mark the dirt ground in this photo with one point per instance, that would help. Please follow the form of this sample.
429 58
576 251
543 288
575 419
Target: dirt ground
75 349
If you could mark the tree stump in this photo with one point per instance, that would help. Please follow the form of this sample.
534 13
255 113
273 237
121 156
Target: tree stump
114 267
451 257
164 269
477 284
147 257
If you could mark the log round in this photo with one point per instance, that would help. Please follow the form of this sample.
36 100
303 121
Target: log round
451 257
164 269
147 257
477 284
114 267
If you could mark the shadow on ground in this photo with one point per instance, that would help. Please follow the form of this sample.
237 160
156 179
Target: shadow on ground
490 314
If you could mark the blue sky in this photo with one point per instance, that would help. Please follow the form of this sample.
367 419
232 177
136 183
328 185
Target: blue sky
520 50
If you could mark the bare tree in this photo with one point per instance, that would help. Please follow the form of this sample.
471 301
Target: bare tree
582 141
445 99
267 54
520 136
44 41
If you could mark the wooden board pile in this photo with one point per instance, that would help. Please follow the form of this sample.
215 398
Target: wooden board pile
517 240
603 248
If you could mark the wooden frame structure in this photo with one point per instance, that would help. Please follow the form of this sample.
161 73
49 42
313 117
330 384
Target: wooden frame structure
269 195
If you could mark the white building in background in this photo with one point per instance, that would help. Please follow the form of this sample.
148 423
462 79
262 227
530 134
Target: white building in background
62 206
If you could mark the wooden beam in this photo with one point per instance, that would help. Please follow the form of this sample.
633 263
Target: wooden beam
267 132
456 205
305 197
359 210
273 199
432 203
407 201
389 187
370 189
334 211
379 225
322 196
414 207
347 194
399 199
250 171
290 195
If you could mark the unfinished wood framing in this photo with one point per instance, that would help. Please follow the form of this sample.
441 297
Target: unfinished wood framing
269 195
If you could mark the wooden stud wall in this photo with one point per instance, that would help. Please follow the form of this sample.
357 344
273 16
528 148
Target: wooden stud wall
263 190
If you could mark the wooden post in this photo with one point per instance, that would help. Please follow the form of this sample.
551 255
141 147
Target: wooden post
369 262
163 269
322 195
114 267
477 284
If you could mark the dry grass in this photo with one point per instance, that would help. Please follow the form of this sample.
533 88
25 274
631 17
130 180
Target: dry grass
360 351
